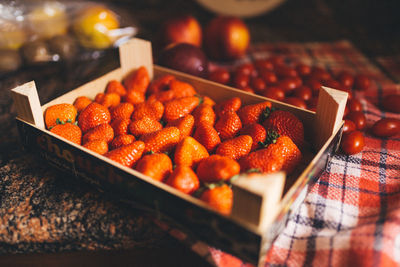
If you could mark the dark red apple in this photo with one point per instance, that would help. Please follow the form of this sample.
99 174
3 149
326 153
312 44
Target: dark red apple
226 38
186 58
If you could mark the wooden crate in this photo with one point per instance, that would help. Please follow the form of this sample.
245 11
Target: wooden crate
261 205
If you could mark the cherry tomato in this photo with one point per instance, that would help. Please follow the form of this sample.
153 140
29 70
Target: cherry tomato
246 69
241 80
277 60
303 70
354 105
296 102
274 92
288 84
269 76
314 85
386 127
348 126
258 84
346 79
298 81
352 142
332 84
362 82
358 118
264 64
392 103
320 74
284 71
303 92
220 76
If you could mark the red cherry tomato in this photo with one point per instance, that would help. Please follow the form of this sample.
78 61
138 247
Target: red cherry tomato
264 64
296 102
362 82
352 142
358 118
246 69
241 80
346 79
288 84
274 92
303 92
277 60
320 74
348 126
392 103
258 84
354 105
386 127
303 70
332 84
268 76
284 71
220 76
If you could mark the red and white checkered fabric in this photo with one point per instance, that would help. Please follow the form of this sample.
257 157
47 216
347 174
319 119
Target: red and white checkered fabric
351 216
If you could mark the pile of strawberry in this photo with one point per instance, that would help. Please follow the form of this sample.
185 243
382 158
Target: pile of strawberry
168 132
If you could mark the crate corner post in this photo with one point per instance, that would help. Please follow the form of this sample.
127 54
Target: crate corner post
134 54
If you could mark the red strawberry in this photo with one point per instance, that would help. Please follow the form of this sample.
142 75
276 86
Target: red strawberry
109 100
230 105
204 114
138 80
184 124
207 136
184 179
217 168
134 97
235 148
120 126
61 113
189 152
252 113
93 115
69 131
115 86
160 84
181 89
81 103
122 140
144 126
157 166
123 110
228 125
127 155
219 197
99 146
163 140
181 107
285 123
103 131
151 109
257 133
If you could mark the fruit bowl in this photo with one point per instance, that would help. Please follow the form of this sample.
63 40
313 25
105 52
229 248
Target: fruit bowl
261 203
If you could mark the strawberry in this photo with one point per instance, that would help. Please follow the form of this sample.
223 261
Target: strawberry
219 198
228 125
285 123
235 148
103 131
109 100
184 124
99 146
143 126
281 154
162 96
180 107
138 80
229 105
208 101
120 126
207 136
134 97
61 113
184 179
217 168
252 113
257 133
115 86
204 113
157 166
163 140
181 89
93 115
160 84
127 155
151 109
189 152
69 131
123 110
81 103
122 140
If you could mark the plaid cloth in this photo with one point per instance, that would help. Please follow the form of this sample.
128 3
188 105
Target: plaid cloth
351 215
